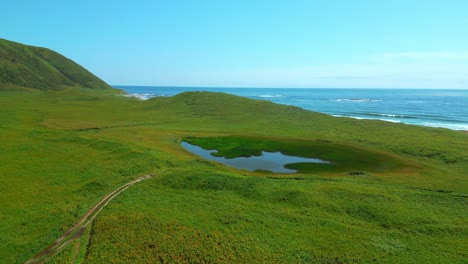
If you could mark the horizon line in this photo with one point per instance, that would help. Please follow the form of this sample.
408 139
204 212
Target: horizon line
270 87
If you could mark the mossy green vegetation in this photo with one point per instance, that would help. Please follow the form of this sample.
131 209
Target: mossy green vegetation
201 216
343 158
61 151
24 67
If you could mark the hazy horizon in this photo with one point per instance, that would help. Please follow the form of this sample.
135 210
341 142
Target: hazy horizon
264 87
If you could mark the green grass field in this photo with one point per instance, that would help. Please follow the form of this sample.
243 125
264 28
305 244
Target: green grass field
61 151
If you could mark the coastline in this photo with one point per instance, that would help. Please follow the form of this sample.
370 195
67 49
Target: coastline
365 104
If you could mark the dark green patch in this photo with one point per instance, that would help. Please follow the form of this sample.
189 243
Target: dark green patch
344 157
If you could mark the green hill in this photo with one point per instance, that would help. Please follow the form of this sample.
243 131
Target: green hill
24 67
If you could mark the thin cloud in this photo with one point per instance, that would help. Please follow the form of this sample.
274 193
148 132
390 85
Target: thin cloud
433 55
341 76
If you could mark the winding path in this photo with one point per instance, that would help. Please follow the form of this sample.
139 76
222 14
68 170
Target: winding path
78 228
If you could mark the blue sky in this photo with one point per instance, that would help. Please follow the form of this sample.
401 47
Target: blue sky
358 43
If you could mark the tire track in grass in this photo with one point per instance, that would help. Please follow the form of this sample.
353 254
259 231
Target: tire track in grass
77 229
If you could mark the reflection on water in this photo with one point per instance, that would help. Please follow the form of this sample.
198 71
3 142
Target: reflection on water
270 161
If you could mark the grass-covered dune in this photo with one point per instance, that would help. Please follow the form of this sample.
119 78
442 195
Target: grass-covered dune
61 151
24 67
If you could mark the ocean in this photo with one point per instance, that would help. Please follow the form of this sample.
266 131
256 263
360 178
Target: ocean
424 107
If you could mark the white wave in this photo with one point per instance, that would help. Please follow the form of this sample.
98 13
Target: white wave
353 117
271 96
357 100
447 125
427 124
389 120
139 96
145 96
388 115
369 118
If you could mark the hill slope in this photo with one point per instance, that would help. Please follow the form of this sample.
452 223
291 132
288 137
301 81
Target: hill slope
25 67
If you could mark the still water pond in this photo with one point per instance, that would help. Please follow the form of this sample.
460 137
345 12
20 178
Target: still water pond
269 161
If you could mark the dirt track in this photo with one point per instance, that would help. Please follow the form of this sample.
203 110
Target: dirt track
78 228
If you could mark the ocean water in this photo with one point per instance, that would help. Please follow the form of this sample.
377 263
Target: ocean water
424 107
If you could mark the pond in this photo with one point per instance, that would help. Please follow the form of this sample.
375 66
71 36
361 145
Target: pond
268 161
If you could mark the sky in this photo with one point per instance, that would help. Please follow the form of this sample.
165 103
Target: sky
253 43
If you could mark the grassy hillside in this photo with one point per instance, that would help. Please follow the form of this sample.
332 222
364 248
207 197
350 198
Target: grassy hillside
25 67
63 150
